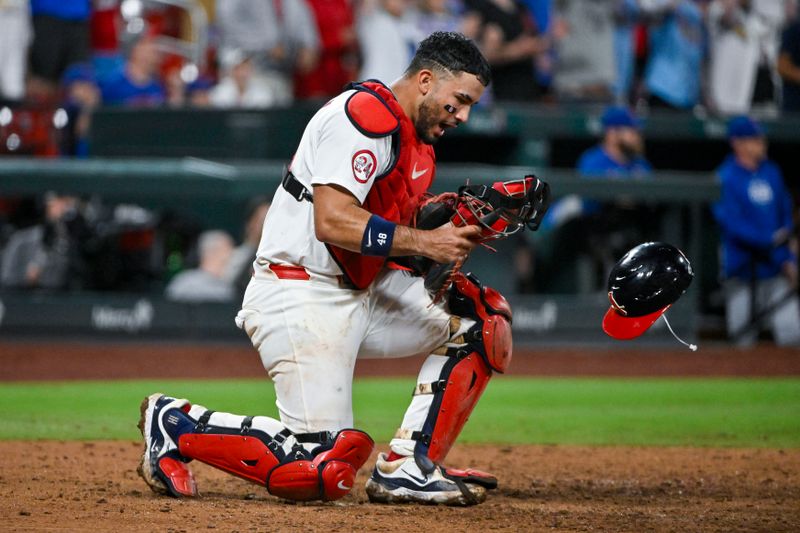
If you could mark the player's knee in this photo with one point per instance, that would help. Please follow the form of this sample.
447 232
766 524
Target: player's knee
304 480
329 475
490 334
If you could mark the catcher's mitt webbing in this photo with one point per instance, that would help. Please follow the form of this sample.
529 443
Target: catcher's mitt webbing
504 208
492 196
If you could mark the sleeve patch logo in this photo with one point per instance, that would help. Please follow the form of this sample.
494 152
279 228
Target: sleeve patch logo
364 165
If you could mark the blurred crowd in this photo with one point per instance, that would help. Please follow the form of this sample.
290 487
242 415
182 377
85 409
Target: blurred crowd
64 242
726 56
720 57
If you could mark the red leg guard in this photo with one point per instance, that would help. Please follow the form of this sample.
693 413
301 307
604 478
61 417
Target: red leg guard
240 455
450 410
473 355
464 381
328 476
178 476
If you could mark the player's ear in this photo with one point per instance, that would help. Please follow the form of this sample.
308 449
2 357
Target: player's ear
425 81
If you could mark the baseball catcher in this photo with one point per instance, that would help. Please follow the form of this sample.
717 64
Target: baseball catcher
356 260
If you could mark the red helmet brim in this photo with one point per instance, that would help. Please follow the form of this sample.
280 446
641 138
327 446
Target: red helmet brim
624 328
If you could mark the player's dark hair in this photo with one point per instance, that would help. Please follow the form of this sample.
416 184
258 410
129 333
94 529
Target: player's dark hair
451 51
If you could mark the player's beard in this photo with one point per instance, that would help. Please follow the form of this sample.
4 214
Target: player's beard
631 149
426 120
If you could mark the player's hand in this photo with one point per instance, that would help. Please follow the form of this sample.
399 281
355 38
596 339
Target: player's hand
448 244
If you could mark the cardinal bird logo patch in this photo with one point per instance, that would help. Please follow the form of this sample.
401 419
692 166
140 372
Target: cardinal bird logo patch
364 165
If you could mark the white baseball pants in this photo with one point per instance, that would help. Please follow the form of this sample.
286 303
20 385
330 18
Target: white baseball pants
310 332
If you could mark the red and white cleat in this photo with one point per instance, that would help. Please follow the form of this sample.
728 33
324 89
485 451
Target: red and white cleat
163 468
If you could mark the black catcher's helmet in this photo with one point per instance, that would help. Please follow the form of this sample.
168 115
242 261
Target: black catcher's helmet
642 286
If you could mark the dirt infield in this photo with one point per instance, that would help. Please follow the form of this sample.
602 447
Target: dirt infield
80 486
93 486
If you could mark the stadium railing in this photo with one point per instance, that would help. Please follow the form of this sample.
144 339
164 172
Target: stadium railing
217 191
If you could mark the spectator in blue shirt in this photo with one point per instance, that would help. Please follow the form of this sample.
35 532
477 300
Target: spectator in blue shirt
619 155
591 236
612 228
755 218
137 83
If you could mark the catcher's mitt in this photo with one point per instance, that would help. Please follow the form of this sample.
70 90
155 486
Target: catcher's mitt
500 210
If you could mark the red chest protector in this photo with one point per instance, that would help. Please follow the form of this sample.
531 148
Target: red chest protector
395 194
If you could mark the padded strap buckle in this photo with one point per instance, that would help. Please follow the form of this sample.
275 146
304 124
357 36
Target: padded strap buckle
277 441
320 437
202 422
430 388
413 435
475 334
295 188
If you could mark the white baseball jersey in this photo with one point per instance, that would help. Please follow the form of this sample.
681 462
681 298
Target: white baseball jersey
331 151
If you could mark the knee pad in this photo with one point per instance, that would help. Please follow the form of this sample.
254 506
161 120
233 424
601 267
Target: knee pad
473 353
280 462
331 473
491 335
304 481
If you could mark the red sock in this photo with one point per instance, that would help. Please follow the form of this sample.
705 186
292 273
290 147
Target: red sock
394 456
